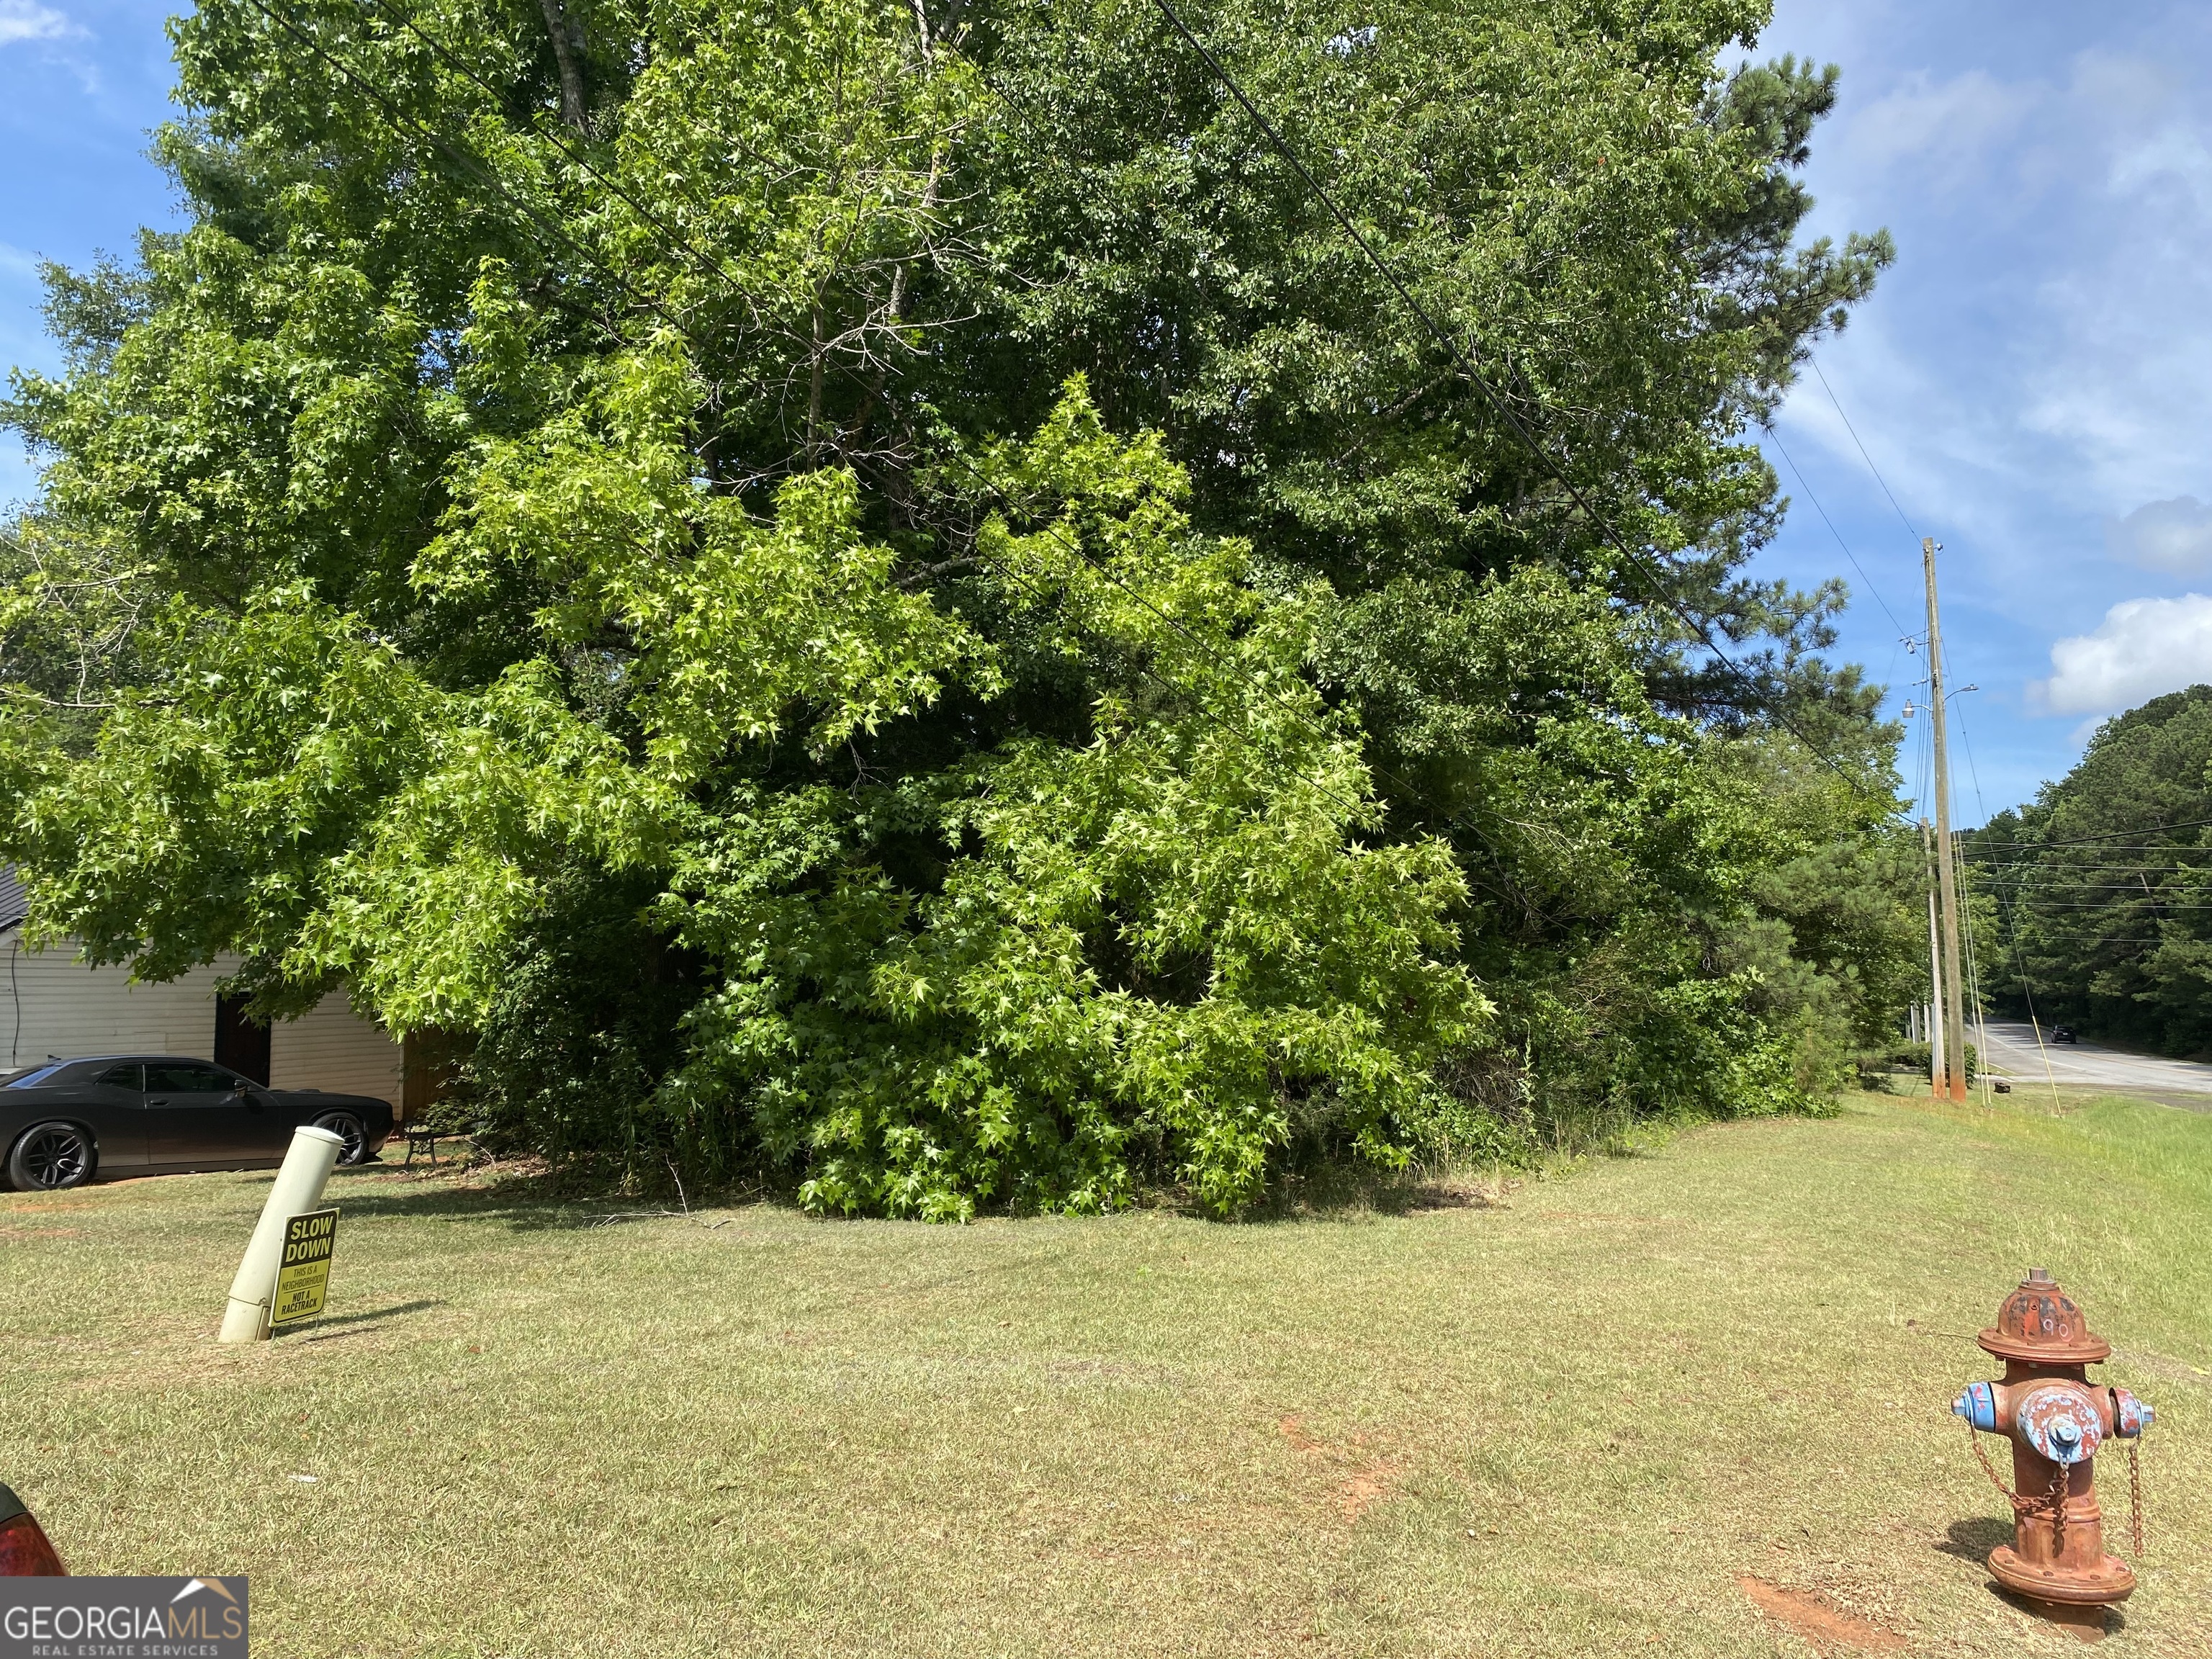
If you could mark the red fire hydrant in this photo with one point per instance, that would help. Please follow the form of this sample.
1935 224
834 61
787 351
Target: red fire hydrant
2056 1419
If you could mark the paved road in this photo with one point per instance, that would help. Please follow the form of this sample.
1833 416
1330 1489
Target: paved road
2012 1055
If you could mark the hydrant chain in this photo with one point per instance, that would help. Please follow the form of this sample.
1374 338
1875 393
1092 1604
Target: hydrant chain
1974 1439
2020 1505
2134 1495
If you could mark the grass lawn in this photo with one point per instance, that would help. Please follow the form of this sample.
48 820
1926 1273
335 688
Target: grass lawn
1634 1409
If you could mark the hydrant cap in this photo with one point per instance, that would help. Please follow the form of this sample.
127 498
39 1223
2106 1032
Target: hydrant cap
2039 1324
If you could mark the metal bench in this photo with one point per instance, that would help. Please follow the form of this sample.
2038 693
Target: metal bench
423 1138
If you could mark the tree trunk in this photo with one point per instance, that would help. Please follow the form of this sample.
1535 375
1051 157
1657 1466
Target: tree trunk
569 52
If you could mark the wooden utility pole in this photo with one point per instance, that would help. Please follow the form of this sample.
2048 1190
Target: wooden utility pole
1953 1014
1935 1023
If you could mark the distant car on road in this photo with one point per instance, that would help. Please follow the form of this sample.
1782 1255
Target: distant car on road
2064 1033
68 1121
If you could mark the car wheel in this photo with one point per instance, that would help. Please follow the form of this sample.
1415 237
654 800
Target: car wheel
50 1157
348 1128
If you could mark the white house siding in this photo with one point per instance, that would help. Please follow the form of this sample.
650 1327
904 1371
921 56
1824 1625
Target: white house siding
57 1006
52 1004
333 1048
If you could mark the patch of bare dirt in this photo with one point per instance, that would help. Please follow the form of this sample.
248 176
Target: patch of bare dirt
1363 1486
1366 1478
1820 1621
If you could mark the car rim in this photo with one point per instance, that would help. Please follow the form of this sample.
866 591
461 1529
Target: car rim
55 1157
355 1137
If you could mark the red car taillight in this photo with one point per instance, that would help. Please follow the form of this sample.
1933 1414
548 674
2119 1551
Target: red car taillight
24 1551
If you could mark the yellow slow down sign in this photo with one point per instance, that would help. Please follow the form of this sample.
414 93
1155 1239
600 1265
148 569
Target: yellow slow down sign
303 1278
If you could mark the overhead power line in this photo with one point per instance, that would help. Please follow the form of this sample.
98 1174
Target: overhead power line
1798 473
2056 892
2155 903
2031 848
1860 442
2019 871
2022 870
2069 872
2031 890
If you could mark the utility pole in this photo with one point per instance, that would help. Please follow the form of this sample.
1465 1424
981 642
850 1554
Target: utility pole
1934 1011
1937 1083
1953 1017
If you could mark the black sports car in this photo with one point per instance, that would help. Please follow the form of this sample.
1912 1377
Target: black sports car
68 1121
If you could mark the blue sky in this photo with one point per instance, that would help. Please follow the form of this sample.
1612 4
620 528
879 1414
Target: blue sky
2033 380
81 83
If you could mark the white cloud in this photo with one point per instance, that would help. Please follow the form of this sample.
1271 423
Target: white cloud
25 20
1949 125
2175 535
2143 648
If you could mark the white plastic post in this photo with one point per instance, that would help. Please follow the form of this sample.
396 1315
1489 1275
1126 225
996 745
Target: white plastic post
306 1168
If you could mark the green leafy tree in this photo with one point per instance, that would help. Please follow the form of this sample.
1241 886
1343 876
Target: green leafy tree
2099 888
885 592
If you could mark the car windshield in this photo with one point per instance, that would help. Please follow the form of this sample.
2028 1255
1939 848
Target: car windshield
35 1076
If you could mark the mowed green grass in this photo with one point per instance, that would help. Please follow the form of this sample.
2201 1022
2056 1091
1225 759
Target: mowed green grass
1571 1422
